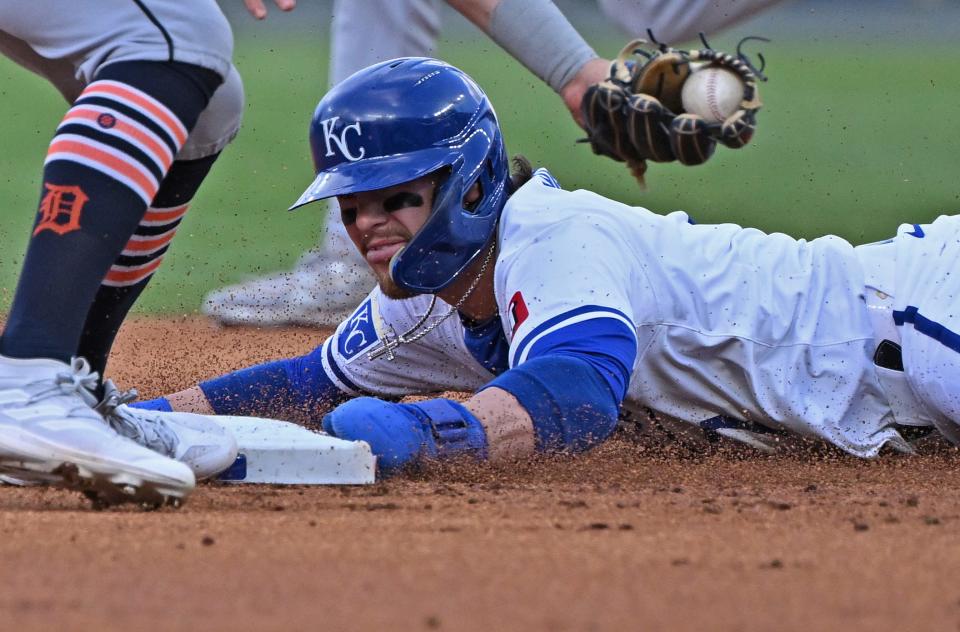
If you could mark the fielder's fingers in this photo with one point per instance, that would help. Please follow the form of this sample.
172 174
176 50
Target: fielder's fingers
259 11
256 8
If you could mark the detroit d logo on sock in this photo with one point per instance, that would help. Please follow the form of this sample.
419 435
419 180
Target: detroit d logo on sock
60 209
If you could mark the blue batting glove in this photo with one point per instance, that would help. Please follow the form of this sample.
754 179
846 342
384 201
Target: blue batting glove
399 434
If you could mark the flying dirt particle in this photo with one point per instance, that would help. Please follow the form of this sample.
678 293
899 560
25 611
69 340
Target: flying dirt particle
860 526
379 506
207 540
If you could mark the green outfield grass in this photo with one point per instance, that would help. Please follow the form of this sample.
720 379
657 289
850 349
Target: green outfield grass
853 140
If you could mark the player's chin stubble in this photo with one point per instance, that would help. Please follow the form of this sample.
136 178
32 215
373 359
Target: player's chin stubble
390 288
394 291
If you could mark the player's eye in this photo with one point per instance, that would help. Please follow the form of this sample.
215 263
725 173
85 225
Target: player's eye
348 215
404 199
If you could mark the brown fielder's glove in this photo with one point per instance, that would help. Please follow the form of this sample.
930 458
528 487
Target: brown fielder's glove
637 114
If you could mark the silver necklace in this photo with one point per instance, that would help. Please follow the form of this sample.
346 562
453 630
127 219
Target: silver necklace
392 341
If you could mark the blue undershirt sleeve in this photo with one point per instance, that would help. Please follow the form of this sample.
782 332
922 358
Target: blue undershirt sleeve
293 388
569 401
571 378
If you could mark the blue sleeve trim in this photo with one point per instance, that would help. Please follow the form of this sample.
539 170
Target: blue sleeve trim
275 389
569 402
337 371
556 320
547 178
607 344
927 327
161 403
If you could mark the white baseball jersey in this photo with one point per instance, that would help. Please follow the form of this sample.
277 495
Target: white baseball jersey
68 41
761 328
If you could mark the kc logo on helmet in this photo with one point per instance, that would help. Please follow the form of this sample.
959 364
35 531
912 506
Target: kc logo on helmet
340 140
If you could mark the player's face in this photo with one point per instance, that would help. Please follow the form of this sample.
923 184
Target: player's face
382 222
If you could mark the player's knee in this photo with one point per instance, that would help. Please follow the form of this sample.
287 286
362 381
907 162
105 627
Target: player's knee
219 122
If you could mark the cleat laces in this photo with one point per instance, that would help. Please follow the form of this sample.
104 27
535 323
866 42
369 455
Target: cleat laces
80 380
150 432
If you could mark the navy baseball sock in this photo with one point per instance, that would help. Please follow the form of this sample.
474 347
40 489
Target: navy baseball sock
141 257
104 166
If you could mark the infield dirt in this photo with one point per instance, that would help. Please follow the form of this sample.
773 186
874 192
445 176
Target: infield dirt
628 537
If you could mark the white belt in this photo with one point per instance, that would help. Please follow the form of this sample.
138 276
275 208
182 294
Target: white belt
878 261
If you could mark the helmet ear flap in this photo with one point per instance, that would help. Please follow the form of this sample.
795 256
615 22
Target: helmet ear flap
449 193
691 140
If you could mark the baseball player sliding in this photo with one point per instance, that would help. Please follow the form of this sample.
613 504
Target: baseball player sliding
557 308
328 283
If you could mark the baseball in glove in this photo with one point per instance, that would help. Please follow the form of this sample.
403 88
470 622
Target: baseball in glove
638 113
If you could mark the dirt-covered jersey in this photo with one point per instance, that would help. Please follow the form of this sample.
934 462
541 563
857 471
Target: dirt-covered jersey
724 321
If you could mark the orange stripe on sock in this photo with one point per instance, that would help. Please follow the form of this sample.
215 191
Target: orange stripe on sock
127 169
148 244
131 94
165 214
135 275
162 152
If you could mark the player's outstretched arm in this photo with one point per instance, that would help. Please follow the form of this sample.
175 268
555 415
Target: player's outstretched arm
292 389
541 38
552 403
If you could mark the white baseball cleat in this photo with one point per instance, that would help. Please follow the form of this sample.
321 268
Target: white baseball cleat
321 291
50 434
195 440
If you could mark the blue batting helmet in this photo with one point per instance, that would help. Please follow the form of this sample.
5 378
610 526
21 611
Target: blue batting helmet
402 119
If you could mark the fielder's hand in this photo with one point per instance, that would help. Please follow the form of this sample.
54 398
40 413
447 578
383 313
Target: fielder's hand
638 114
259 10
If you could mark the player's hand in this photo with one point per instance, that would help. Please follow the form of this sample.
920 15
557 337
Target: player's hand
258 9
593 72
396 436
400 434
658 104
